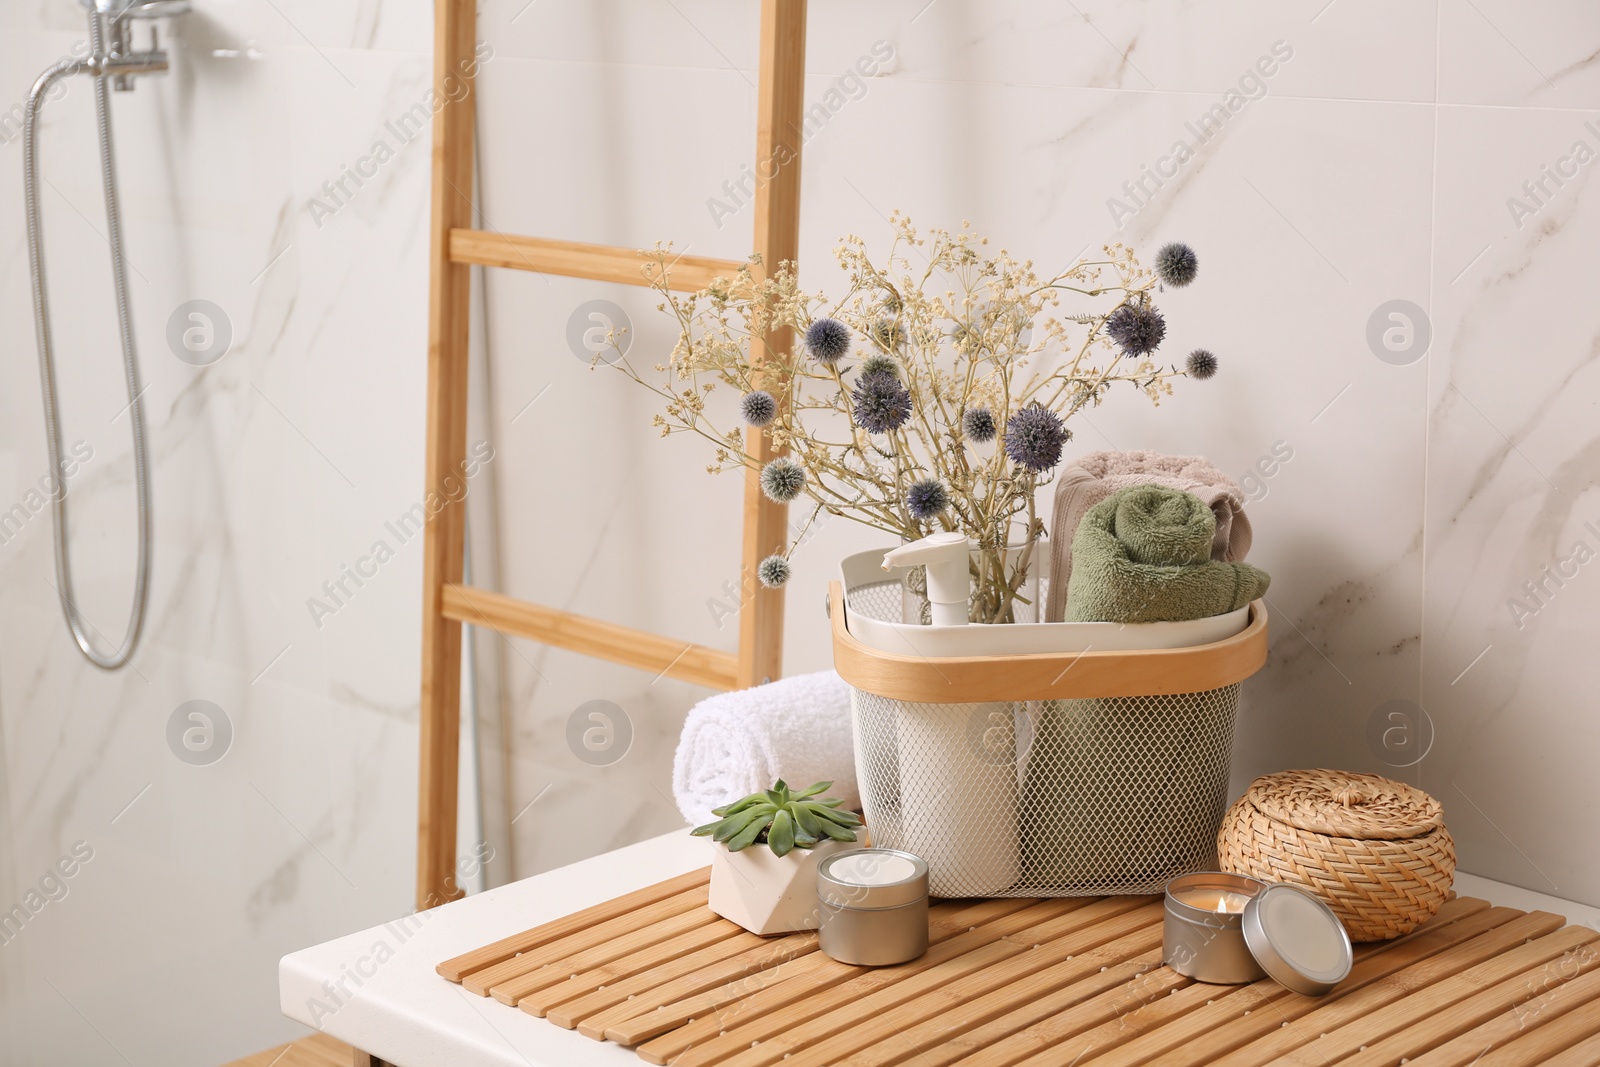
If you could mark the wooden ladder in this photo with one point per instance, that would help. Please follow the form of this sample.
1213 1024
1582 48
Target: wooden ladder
454 249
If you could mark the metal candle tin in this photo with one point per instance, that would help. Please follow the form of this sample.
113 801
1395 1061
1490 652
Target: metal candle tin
1201 942
1228 929
873 906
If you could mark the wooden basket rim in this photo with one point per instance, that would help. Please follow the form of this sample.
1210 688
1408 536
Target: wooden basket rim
1045 676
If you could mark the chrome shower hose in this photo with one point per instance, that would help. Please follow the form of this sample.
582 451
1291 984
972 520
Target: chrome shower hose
47 373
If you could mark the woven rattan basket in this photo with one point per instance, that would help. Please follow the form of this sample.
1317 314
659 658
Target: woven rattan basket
1376 850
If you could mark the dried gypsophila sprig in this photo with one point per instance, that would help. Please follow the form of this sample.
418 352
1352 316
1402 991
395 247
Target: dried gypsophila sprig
934 395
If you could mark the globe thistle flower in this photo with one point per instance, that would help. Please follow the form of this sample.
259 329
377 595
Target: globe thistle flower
1202 364
968 336
828 340
927 498
1136 328
758 408
978 424
773 571
878 363
1034 437
881 403
782 479
1176 264
888 335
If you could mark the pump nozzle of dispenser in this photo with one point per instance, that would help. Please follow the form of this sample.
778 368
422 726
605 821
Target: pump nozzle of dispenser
949 580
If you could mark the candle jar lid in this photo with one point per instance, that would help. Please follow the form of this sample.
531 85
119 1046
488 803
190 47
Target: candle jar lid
871 878
1297 939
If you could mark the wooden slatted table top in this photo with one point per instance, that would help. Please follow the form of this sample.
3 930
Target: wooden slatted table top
1070 981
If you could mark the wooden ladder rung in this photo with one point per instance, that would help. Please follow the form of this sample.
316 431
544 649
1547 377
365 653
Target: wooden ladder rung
591 637
601 263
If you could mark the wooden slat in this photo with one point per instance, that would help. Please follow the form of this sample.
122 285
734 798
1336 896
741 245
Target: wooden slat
1439 1013
1158 1029
485 982
944 922
1258 1012
1378 979
838 985
587 919
1066 977
591 637
1146 1005
597 968
1373 1031
956 1035
640 1016
1030 983
1585 1053
574 259
1044 1036
803 1023
673 937
1529 1033
779 135
615 984
449 296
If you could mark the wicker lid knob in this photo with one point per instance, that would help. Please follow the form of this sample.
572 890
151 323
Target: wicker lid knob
1345 804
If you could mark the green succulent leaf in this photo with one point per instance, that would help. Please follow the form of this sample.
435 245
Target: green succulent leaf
784 819
807 819
780 836
746 837
734 824
833 815
739 805
837 832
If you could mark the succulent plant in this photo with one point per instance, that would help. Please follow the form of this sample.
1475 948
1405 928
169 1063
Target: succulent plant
781 820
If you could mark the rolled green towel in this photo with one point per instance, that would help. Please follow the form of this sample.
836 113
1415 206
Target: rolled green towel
1143 554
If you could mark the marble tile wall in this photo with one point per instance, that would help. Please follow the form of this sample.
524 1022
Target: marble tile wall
1376 162
274 467
1372 163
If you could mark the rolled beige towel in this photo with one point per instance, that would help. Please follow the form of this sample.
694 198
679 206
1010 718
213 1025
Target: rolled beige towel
1097 475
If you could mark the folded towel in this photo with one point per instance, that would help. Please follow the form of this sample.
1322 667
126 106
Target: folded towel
1143 554
734 744
1099 474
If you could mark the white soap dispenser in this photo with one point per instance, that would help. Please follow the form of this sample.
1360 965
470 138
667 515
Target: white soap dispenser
958 809
949 575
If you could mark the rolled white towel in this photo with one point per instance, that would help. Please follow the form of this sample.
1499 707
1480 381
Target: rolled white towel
734 744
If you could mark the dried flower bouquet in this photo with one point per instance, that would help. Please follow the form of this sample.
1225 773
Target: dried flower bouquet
934 395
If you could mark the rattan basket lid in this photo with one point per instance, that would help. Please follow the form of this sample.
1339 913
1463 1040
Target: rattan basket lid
1345 804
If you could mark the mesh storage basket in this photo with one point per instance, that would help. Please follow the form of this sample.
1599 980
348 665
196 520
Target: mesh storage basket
1046 773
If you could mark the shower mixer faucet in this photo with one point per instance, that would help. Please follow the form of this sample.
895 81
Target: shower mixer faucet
121 61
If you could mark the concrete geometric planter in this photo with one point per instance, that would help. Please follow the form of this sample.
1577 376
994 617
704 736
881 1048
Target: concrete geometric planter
768 894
